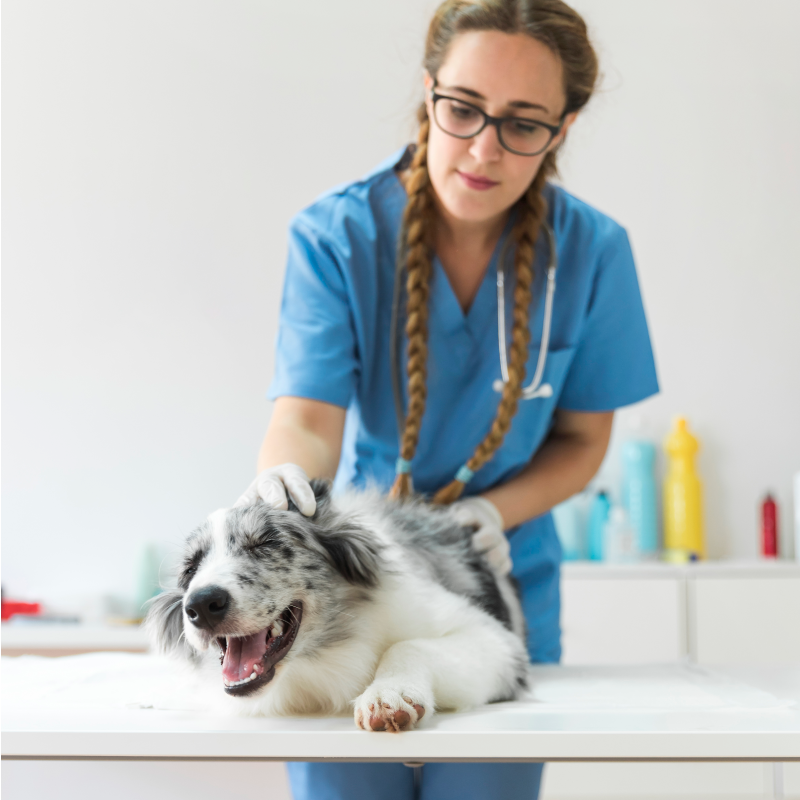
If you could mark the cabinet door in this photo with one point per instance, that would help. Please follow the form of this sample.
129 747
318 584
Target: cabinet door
623 620
746 620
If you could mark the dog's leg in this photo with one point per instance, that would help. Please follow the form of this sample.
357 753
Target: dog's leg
401 693
460 670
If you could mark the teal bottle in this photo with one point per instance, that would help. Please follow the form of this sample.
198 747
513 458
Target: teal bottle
597 522
568 527
147 577
639 493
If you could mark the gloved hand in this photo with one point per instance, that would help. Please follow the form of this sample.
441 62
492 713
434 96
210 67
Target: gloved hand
489 538
273 484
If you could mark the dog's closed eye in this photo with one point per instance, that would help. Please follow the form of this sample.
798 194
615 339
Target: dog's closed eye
190 567
257 546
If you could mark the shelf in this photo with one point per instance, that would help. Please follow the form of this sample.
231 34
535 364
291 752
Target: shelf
56 639
698 569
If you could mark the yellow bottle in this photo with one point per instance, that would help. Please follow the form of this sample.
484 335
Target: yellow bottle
683 507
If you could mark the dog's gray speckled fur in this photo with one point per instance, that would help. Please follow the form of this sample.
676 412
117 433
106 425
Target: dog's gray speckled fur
370 574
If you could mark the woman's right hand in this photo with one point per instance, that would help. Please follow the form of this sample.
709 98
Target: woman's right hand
272 486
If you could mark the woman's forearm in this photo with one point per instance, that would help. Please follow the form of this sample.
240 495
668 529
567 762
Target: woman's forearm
304 432
563 465
296 445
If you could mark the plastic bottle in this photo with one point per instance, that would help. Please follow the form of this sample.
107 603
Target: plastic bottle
597 520
619 537
567 519
639 493
796 492
147 577
683 510
769 527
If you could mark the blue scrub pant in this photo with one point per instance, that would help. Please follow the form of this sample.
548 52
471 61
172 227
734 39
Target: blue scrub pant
536 555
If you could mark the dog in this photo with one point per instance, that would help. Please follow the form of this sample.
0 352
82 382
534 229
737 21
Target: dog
374 606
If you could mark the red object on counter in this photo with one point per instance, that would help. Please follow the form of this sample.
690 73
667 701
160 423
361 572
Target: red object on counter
769 527
11 607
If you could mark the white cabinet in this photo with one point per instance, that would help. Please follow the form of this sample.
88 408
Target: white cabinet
713 613
710 613
754 620
623 621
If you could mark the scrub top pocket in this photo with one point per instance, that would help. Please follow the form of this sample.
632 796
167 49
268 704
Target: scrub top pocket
533 418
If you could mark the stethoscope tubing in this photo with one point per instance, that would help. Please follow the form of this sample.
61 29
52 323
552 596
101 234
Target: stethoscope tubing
536 388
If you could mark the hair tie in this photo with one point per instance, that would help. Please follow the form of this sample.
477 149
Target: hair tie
464 474
402 466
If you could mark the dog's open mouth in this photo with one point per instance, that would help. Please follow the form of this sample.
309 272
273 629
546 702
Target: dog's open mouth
248 662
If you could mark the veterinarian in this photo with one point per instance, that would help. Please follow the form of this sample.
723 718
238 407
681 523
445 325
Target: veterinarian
503 83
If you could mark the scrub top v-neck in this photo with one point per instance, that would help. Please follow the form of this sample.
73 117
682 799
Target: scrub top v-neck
334 345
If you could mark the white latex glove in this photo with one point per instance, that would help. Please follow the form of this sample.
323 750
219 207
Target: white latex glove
272 486
489 539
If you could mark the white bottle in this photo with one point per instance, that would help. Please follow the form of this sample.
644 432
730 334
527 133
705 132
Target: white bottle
619 538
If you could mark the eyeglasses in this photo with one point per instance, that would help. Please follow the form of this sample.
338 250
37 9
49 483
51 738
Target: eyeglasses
523 137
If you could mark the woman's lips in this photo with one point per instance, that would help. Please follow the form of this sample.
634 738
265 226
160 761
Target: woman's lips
476 181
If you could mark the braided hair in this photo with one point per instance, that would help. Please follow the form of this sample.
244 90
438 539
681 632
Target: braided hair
564 32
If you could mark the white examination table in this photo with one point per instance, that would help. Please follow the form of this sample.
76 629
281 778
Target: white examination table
120 706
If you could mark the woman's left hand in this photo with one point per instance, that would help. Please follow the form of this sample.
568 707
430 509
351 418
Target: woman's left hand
489 538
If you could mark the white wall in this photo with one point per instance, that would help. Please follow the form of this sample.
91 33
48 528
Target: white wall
155 151
695 147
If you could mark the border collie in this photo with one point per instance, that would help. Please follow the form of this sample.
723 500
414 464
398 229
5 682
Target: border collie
372 606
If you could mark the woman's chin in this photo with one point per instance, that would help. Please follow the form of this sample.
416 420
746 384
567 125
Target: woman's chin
465 206
462 203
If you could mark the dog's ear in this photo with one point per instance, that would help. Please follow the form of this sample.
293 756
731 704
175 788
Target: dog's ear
322 492
164 623
352 551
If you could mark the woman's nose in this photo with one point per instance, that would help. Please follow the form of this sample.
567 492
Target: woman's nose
486 145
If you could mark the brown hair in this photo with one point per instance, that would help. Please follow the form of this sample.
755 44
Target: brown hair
561 29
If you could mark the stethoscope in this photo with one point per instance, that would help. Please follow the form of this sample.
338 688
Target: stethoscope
536 388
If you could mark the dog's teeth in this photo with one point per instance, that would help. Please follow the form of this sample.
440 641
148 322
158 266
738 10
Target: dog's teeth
253 675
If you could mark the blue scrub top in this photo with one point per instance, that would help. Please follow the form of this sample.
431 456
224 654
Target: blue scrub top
334 344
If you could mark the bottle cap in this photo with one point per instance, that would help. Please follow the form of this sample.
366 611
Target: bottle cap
618 515
680 441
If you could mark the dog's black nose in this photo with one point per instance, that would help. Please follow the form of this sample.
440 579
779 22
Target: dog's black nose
207 607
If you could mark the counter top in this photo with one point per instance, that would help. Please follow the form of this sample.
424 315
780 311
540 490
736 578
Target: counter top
763 568
127 706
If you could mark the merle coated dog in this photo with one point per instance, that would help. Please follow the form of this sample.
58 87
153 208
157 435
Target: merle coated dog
379 607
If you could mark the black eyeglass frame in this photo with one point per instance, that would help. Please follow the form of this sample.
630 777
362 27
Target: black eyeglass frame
554 130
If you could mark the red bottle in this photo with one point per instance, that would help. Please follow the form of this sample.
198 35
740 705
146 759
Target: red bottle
12 607
769 527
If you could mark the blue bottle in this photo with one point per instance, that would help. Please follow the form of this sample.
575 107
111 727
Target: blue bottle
567 519
597 522
639 493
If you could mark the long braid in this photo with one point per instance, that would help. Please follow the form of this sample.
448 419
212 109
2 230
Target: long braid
418 230
564 32
532 211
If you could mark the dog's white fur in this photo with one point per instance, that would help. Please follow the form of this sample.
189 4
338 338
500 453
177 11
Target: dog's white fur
414 646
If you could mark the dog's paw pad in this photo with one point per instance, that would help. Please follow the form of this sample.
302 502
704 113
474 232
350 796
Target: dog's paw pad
388 711
420 709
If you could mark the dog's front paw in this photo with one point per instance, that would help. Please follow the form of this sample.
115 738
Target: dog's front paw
388 710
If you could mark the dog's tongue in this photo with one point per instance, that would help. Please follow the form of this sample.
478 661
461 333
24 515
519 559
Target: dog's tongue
244 655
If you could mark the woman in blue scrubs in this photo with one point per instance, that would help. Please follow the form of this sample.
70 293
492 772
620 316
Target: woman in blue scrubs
503 83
